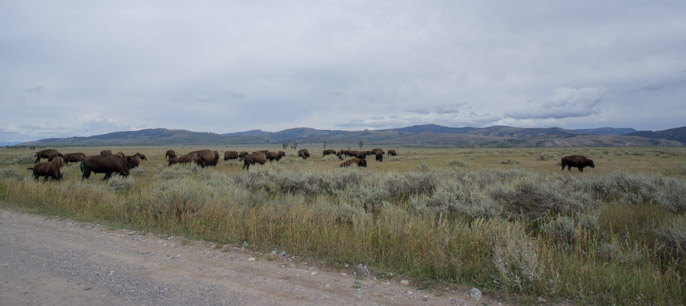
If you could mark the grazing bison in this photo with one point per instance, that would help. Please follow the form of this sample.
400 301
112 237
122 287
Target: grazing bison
48 169
327 152
106 152
73 157
47 153
281 154
251 159
304 153
207 158
107 164
172 160
375 150
230 155
187 158
272 156
170 154
392 153
134 161
379 156
141 156
361 162
242 154
358 154
576 161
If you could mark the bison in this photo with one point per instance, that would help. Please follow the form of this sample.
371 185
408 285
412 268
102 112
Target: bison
170 154
242 154
48 169
303 153
361 162
207 158
272 156
327 152
379 156
107 164
281 154
73 157
134 161
172 160
106 152
184 159
141 156
253 158
375 150
47 153
230 155
392 153
577 161
358 154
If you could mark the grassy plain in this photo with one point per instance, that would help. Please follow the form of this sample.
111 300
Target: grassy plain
505 220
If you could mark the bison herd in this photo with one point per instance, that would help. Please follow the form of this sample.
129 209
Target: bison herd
108 162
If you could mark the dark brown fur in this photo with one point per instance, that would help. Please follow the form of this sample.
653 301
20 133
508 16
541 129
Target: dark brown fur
47 153
48 169
107 164
251 159
375 150
207 158
73 157
106 152
361 162
170 154
272 156
133 161
281 154
230 155
577 161
379 156
327 152
242 155
303 153
392 153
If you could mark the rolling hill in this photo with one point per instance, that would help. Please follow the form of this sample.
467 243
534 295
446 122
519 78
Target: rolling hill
412 136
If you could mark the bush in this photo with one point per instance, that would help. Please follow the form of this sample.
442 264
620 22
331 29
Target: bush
673 232
120 183
179 197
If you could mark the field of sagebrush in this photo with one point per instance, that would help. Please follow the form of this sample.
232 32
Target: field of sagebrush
505 220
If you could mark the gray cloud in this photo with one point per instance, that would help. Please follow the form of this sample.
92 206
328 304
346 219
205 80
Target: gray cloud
230 66
564 103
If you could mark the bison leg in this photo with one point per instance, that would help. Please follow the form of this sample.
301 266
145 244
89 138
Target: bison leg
107 175
581 169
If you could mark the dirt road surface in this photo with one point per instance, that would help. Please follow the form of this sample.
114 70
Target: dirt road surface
53 261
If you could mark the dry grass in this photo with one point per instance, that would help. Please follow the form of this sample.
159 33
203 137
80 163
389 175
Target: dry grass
437 215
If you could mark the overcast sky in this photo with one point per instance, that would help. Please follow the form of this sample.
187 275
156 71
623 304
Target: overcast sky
80 68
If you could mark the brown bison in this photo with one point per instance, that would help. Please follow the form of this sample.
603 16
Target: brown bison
170 154
48 169
272 156
134 161
120 154
303 153
375 150
577 161
361 162
327 152
281 154
392 153
73 157
141 156
106 152
107 164
253 158
379 156
359 154
207 158
230 155
172 160
48 153
242 154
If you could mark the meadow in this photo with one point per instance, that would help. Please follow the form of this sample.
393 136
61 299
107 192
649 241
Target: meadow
508 221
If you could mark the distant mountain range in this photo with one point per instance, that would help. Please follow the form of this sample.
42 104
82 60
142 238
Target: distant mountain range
430 135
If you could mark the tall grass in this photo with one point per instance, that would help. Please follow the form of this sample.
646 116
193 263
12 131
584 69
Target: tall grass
594 239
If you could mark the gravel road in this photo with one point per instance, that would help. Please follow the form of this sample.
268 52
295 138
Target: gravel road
53 261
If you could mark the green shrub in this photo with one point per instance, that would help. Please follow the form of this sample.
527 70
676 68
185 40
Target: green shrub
120 184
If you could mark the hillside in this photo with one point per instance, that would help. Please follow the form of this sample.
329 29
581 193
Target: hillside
412 136
677 134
